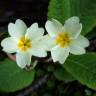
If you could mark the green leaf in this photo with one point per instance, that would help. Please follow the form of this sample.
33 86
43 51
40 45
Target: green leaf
13 78
63 75
83 68
85 9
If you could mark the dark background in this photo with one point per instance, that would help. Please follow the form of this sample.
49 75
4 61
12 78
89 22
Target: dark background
28 10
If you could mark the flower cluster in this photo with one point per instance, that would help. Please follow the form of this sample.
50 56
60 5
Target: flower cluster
60 40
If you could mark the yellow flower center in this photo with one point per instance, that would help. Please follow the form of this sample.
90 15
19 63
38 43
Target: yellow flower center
24 44
62 39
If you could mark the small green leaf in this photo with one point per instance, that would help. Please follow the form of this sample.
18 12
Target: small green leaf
63 75
85 9
13 78
83 68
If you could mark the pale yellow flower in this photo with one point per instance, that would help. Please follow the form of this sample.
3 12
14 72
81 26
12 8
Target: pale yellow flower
65 39
25 42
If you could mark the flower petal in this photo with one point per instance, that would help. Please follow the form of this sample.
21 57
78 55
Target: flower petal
49 42
39 47
73 27
77 50
9 45
34 31
53 27
41 43
81 41
18 29
23 59
38 53
59 54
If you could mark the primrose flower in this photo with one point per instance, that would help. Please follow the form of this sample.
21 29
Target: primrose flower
25 42
65 38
